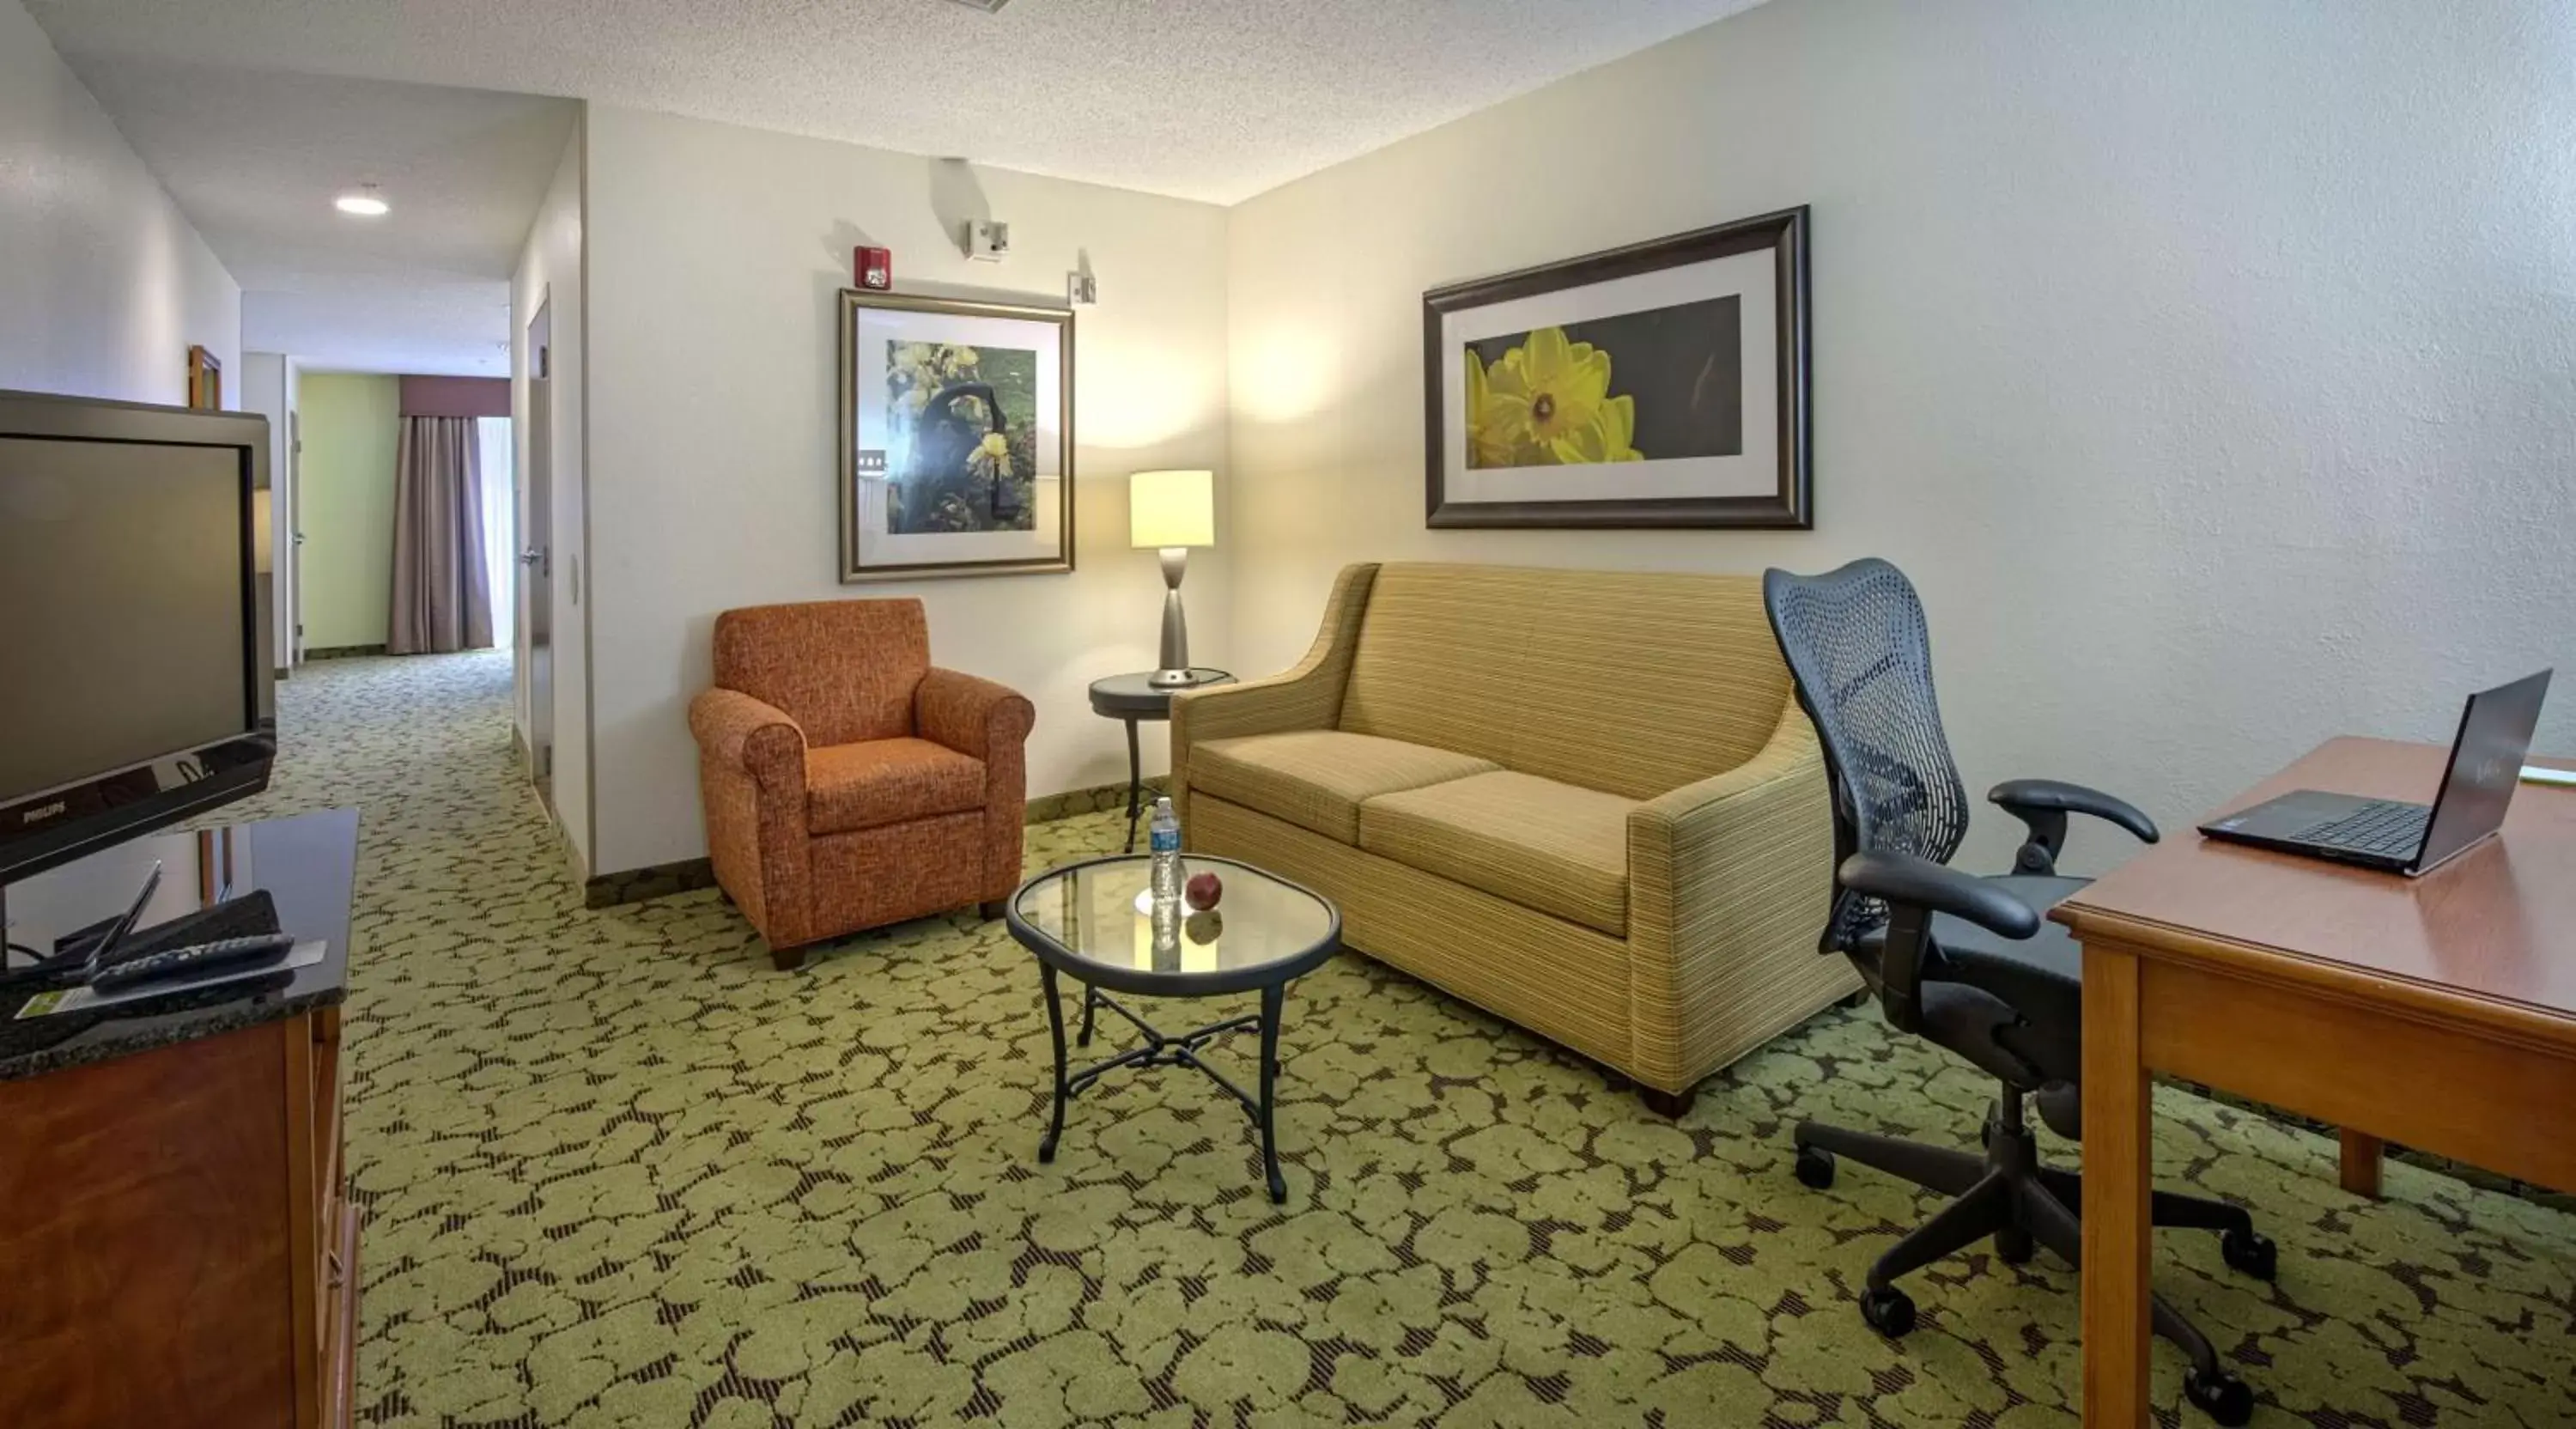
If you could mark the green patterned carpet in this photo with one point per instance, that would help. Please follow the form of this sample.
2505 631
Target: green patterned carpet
617 1170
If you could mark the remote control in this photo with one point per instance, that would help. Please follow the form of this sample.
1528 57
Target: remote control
221 955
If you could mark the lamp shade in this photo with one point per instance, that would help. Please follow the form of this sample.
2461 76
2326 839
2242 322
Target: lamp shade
1171 508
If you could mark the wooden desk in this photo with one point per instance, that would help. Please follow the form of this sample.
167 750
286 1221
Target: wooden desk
2439 1012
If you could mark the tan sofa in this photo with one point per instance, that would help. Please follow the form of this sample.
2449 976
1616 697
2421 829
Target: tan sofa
1585 801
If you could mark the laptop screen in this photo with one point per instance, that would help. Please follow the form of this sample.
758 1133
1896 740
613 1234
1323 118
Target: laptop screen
2486 760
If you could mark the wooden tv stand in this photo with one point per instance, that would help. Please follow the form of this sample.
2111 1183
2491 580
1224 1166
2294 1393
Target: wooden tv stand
176 1246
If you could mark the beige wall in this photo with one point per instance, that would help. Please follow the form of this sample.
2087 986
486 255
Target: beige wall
104 285
714 258
352 428
550 275
2207 366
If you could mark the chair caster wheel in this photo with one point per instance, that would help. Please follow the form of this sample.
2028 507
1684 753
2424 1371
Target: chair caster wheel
2012 1246
1891 1312
2250 1252
2221 1396
1816 1168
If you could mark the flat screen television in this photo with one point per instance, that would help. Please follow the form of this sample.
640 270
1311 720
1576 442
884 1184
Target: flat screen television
135 680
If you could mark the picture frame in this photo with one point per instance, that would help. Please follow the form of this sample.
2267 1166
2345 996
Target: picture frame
1707 424
955 446
205 380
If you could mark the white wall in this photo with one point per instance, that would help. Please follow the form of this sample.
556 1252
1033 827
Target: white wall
103 284
716 254
2211 368
552 274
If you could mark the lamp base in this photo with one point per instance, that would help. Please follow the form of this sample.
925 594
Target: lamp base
1171 679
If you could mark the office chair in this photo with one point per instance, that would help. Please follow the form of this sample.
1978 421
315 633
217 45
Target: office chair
1968 962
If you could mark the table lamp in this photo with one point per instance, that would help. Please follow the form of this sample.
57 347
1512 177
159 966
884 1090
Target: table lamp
1171 511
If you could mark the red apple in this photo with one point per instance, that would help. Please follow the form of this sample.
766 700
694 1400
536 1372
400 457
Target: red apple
1202 891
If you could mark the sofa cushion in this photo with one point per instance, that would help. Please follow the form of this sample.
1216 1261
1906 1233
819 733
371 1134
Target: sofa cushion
1635 683
887 781
1317 778
1552 847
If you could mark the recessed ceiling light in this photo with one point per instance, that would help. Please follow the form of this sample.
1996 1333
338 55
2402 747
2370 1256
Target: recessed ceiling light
365 203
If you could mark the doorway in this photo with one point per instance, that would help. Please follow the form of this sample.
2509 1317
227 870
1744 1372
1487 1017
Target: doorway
536 556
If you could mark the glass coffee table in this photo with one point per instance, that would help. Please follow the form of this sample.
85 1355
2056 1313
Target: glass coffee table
1088 922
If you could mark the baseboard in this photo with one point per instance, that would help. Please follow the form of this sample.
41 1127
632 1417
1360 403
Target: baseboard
688 875
343 652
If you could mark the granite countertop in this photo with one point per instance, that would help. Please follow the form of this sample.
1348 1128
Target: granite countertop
304 866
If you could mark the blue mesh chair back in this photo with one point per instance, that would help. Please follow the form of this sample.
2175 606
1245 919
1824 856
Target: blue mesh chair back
1857 647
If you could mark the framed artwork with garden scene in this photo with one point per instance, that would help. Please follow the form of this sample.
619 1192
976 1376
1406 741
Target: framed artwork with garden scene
1662 384
956 440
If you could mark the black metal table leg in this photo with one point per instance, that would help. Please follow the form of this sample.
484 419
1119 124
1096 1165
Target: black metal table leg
1135 788
1271 1000
1090 1002
1055 1030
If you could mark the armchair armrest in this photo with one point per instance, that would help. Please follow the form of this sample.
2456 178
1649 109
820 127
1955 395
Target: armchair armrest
971 715
1901 880
1729 879
1914 889
739 732
1307 696
2043 804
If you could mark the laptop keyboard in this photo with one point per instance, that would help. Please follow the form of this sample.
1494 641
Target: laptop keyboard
2388 828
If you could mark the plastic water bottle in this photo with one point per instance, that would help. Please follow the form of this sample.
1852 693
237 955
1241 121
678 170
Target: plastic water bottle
1163 837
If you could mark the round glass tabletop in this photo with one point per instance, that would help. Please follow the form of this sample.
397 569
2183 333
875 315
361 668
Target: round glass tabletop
1089 920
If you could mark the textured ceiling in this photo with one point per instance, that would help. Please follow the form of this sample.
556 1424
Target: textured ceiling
254 158
1209 99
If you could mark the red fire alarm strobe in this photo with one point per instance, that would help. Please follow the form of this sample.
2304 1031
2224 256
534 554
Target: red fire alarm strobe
873 267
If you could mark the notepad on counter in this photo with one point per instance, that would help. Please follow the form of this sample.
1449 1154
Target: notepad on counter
84 999
2534 774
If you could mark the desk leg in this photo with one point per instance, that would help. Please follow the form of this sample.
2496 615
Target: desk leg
2361 1163
1135 784
2118 1180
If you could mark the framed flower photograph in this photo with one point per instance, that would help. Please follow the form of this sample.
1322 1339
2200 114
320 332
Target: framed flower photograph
1662 384
956 441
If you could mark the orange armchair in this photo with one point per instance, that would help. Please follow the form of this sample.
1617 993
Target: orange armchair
847 783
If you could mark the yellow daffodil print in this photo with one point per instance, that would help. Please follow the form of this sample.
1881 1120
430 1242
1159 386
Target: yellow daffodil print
1552 385
1609 437
1498 433
1546 401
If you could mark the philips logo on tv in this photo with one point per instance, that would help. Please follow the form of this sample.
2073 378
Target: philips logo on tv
39 814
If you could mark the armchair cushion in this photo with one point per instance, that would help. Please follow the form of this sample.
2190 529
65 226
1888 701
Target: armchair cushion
1318 778
1556 848
844 670
887 781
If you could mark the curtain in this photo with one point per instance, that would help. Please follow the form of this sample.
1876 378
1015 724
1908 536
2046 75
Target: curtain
442 597
500 524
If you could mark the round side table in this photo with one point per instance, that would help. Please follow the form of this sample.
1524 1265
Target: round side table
1133 698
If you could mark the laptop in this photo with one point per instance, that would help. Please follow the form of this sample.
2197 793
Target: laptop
2391 834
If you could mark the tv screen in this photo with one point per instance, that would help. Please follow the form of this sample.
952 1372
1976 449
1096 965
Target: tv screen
134 679
128 556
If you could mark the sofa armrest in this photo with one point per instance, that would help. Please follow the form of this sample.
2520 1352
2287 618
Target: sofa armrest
971 715
1730 881
739 732
1307 696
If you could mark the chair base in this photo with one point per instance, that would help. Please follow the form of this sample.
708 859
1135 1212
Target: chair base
2006 1195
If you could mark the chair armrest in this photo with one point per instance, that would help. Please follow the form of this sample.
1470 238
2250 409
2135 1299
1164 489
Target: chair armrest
1902 880
1307 696
2043 805
1729 880
971 715
739 732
